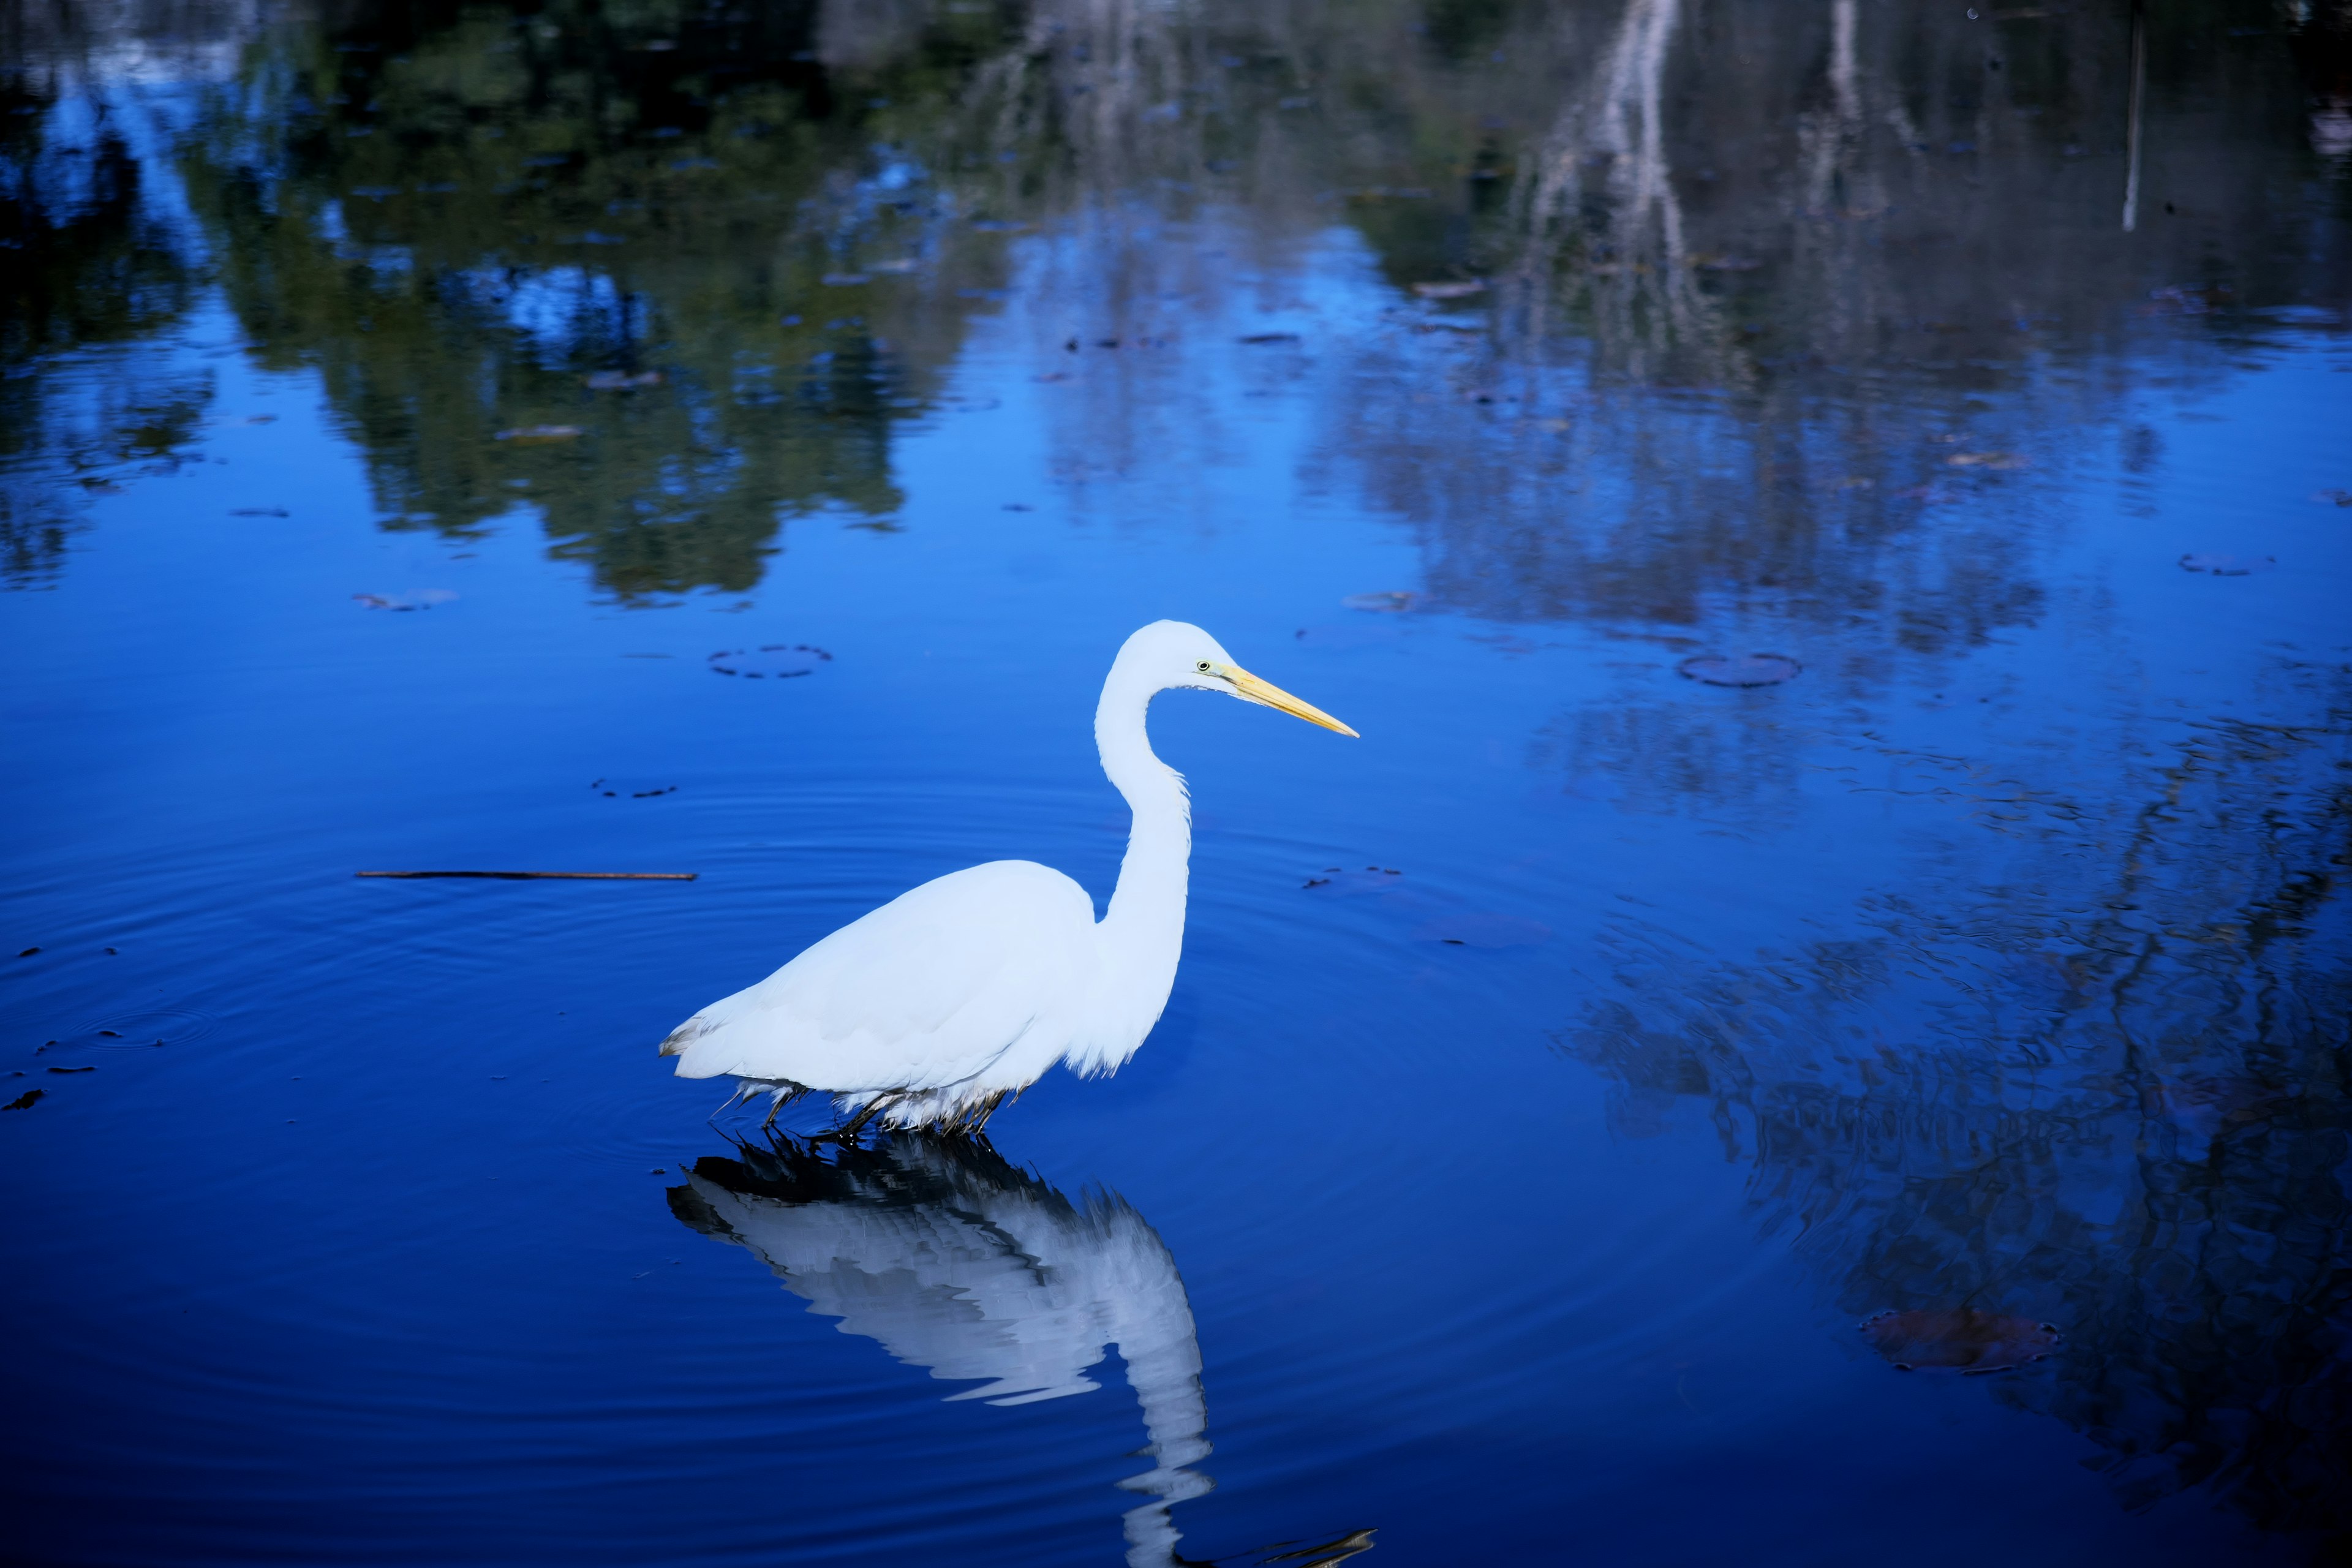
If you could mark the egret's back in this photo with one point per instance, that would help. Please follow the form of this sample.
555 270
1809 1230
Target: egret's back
926 992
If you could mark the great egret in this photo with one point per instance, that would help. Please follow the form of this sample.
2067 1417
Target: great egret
956 1262
933 1008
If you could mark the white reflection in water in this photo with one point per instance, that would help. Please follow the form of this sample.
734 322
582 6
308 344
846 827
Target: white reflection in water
954 1262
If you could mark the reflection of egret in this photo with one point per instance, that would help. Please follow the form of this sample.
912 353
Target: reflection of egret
945 1000
955 1261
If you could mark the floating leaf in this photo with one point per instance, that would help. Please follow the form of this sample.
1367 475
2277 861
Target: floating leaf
532 434
1450 290
1961 1338
1388 602
1749 669
24 1101
2220 565
773 661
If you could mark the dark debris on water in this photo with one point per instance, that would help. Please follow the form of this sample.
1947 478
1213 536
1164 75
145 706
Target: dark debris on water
2217 565
24 1101
1960 1338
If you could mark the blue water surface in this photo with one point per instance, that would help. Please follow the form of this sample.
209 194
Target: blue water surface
1563 1081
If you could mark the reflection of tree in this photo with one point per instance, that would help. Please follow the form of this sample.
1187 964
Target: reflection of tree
2109 1091
463 220
91 270
460 213
1785 310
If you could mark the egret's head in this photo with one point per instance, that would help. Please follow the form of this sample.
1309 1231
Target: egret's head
1176 653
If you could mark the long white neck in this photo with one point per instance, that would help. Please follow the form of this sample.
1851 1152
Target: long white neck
1143 932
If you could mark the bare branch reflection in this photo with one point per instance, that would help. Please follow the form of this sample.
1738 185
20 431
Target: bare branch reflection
2108 1091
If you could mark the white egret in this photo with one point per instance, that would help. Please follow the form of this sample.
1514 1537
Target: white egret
933 1008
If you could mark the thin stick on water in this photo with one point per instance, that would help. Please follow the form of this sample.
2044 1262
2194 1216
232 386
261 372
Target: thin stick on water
552 876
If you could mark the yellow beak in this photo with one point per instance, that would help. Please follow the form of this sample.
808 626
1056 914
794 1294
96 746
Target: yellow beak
1272 696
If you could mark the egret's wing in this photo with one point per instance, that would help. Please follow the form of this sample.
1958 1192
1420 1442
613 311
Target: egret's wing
923 992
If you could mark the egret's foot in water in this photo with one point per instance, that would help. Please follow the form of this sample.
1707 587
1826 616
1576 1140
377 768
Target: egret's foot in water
973 1123
880 1102
783 1096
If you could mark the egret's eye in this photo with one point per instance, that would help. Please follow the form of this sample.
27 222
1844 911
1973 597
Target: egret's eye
1202 666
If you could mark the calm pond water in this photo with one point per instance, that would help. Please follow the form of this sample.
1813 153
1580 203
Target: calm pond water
1831 521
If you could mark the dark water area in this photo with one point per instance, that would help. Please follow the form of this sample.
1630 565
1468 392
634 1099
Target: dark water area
1812 1028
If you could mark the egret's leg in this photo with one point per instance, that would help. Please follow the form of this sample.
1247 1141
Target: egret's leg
849 1134
741 1091
788 1094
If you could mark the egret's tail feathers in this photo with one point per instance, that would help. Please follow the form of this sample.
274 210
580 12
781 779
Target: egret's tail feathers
686 1034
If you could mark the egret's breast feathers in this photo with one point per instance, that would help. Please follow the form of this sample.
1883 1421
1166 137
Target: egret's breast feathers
924 992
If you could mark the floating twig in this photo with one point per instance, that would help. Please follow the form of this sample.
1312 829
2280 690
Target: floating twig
551 876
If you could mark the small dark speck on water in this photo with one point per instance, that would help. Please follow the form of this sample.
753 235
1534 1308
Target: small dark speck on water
24 1101
110 951
659 1171
2222 565
29 953
110 1034
73 1069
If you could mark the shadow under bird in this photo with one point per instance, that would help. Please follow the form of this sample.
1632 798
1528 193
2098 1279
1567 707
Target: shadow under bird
933 1009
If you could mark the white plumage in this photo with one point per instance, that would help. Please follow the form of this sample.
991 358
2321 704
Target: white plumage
933 1008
